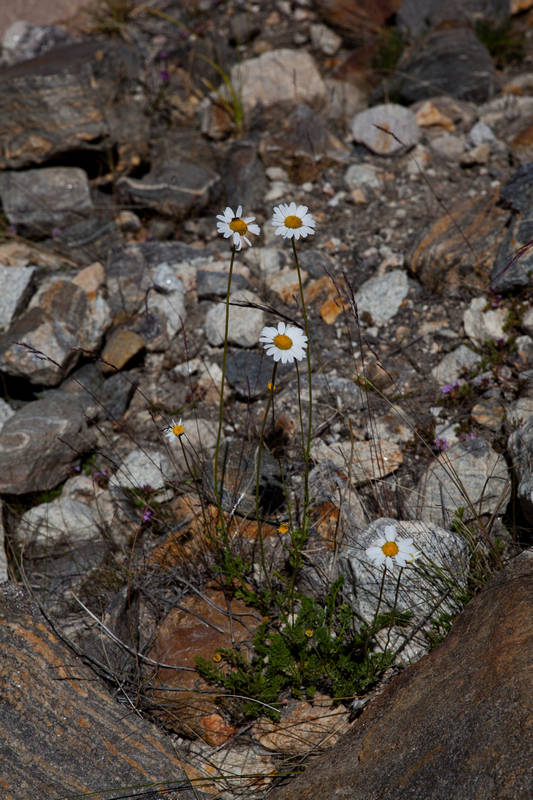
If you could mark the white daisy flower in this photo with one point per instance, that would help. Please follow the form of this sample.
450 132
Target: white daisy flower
292 220
284 343
388 550
236 226
174 430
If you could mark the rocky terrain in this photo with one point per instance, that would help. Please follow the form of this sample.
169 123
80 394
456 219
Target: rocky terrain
406 128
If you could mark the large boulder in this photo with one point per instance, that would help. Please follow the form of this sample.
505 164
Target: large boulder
62 734
453 725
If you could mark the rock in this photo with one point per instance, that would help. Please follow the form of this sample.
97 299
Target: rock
200 626
59 716
357 22
428 116
448 146
37 201
211 284
395 425
47 353
5 412
121 347
480 133
489 413
517 193
22 41
344 100
4 575
520 446
243 177
39 443
431 67
141 468
96 86
248 373
324 39
517 413
382 297
17 286
423 585
362 461
386 129
460 247
306 726
470 475
419 16
172 188
63 525
300 139
363 175
484 324
464 703
245 324
279 78
513 266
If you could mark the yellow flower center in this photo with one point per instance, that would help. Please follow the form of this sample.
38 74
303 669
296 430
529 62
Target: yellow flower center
309 632
178 430
293 222
271 386
217 657
283 342
283 528
239 226
390 549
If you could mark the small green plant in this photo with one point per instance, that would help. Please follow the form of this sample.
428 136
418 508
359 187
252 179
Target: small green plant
110 16
504 44
389 48
318 647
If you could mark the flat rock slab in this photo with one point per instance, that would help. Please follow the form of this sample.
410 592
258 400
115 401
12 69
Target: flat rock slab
94 85
456 724
62 734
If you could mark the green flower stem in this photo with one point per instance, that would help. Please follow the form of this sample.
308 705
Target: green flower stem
218 496
394 607
270 402
306 443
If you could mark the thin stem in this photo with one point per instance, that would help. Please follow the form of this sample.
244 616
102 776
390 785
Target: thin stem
306 444
218 496
270 402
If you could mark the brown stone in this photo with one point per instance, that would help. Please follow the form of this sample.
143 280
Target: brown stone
121 347
307 726
358 21
522 144
62 735
456 724
428 116
459 249
200 627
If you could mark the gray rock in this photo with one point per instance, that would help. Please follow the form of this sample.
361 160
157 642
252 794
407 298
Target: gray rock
520 446
362 175
5 412
423 590
454 364
64 522
172 188
484 324
386 129
448 146
279 77
432 68
243 177
513 266
324 39
39 443
141 468
95 85
344 100
382 297
17 286
245 323
418 16
3 557
165 279
211 284
518 191
23 41
38 200
470 475
480 133
248 373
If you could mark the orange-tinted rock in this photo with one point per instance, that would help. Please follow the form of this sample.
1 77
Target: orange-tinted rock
120 348
456 724
522 144
307 726
357 21
62 734
200 627
459 249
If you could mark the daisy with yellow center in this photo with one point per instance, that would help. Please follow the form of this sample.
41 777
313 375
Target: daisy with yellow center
236 226
285 343
388 550
293 221
174 430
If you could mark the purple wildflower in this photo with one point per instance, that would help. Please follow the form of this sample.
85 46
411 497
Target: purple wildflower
440 444
449 387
